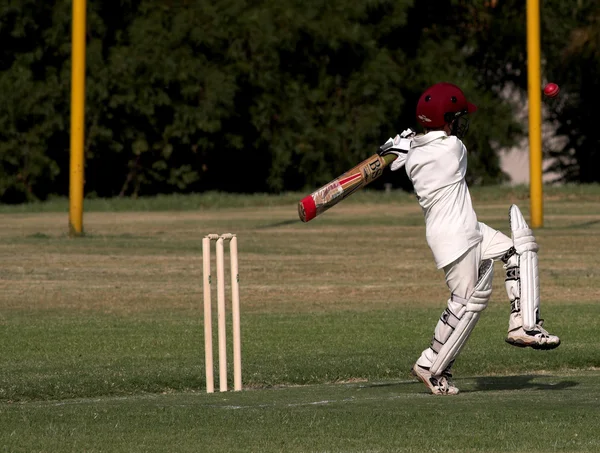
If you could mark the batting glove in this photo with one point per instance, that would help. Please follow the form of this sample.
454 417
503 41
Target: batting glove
399 145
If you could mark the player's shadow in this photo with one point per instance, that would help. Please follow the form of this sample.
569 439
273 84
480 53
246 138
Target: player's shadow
492 383
495 383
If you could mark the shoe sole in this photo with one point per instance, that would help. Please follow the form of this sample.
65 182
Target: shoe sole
522 344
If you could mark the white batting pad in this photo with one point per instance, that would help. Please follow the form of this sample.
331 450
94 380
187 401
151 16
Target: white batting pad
449 338
529 283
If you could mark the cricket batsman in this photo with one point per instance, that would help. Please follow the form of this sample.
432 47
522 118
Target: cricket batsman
436 163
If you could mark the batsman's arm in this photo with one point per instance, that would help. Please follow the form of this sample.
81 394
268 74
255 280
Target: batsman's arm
345 185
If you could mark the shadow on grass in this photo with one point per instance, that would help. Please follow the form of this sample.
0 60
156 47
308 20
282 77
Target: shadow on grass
574 226
495 383
491 383
278 224
389 384
585 224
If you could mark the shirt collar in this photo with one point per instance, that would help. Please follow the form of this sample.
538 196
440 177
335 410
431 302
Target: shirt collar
421 140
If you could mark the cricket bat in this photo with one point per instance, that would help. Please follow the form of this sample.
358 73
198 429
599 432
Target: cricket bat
342 187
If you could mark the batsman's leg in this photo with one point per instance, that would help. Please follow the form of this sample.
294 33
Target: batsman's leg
451 334
523 288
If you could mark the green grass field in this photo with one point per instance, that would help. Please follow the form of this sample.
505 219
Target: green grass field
101 338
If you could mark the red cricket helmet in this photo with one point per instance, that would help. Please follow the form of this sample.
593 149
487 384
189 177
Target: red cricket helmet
440 104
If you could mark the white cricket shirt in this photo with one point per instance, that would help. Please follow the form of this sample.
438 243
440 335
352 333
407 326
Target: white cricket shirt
436 164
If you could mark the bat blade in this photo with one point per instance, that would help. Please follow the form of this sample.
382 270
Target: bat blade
342 187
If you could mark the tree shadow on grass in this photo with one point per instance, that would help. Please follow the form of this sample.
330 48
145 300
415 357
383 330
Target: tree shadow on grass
522 382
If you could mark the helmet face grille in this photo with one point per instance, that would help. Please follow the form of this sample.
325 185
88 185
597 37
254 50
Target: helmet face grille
460 126
451 116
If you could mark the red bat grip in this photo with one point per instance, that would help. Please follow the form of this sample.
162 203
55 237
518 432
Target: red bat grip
307 209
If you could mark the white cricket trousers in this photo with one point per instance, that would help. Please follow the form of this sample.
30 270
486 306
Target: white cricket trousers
462 274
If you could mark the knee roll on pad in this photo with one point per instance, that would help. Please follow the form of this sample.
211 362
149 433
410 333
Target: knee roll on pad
521 264
459 319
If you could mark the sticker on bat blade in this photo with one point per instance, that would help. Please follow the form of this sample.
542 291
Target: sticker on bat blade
373 170
349 181
327 194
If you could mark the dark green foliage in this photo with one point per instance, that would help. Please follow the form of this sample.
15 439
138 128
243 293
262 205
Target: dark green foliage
570 45
33 124
269 96
576 65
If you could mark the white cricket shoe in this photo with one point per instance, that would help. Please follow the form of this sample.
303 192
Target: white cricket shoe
439 385
539 338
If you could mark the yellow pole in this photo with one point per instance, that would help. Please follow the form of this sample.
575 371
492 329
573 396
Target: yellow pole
535 113
77 119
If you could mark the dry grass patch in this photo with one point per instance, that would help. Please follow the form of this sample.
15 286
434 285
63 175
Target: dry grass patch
354 257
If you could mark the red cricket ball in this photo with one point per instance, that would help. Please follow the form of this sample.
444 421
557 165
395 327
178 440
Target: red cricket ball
551 90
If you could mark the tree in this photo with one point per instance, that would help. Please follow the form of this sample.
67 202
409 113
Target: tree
32 129
576 65
570 43
268 96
